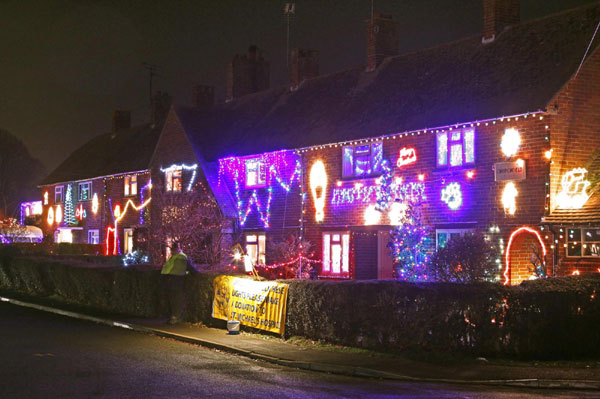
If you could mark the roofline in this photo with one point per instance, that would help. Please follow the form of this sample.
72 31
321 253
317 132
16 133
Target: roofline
96 177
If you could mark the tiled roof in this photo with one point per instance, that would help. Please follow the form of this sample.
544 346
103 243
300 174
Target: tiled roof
128 151
461 81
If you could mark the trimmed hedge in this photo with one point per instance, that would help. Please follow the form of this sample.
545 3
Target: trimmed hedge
544 319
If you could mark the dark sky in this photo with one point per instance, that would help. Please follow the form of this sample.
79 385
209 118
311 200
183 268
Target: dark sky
66 65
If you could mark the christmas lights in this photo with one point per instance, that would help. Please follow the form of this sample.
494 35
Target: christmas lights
367 194
406 157
118 215
30 209
58 215
95 204
46 198
511 140
69 213
452 196
372 215
573 194
384 188
509 195
408 244
318 186
510 240
80 213
50 218
183 166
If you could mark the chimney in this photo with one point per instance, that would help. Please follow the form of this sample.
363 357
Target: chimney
203 97
247 73
121 121
382 39
161 102
305 65
497 15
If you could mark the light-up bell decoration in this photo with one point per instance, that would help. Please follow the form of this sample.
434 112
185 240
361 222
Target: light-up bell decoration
318 186
573 189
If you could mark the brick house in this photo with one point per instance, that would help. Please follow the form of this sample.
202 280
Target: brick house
489 129
104 181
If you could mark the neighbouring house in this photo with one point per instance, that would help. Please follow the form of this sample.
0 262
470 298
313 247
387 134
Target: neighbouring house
98 195
497 133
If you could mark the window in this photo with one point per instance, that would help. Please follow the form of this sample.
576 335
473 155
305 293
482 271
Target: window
336 254
58 194
128 241
93 237
85 190
583 242
362 160
255 248
442 236
256 173
173 180
455 148
130 185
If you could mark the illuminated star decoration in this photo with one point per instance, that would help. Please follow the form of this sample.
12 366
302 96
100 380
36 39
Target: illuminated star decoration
452 196
573 194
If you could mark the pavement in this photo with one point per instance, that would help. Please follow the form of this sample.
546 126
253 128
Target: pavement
347 362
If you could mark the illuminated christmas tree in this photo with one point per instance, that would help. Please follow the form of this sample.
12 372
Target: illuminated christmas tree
69 217
407 244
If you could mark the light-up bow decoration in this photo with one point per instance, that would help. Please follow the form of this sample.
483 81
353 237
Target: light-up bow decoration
318 186
573 194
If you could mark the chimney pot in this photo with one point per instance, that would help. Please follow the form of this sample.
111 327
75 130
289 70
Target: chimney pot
203 97
161 102
497 15
247 74
121 121
382 39
304 65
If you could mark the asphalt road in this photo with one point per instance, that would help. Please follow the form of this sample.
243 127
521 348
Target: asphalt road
48 356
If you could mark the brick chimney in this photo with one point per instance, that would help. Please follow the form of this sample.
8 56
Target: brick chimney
121 121
203 97
382 39
305 65
161 102
247 73
497 15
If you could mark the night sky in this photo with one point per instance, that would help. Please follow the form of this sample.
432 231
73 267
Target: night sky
66 65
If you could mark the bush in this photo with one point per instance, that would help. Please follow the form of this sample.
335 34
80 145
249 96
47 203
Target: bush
463 260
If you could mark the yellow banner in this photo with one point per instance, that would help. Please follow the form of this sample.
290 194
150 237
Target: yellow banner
258 304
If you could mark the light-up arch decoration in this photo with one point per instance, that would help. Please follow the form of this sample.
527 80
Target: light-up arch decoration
510 240
118 215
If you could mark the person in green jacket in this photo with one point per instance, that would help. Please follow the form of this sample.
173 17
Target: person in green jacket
173 273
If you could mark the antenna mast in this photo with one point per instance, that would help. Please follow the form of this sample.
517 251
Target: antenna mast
290 8
152 69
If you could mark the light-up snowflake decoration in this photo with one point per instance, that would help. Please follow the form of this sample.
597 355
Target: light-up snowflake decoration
452 196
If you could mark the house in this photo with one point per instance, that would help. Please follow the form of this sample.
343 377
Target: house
494 132
99 193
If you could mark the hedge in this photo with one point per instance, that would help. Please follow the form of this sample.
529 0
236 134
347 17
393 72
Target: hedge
545 319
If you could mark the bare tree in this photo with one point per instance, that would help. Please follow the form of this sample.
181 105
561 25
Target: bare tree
11 231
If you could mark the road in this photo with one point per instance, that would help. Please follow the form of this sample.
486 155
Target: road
49 356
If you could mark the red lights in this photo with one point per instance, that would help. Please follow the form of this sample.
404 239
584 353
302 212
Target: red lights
510 240
406 157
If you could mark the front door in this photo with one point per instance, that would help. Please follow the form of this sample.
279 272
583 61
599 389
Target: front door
385 263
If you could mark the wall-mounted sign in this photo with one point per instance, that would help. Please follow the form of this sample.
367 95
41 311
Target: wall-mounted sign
513 170
406 156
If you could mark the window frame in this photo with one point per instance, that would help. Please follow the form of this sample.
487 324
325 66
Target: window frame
171 179
130 186
350 151
460 232
126 233
261 170
80 191
582 243
60 189
260 242
93 233
449 145
327 240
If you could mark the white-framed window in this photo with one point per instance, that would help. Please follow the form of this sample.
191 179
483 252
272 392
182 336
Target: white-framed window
63 235
442 236
256 173
583 242
174 180
127 241
85 191
455 148
59 194
362 160
93 237
256 247
130 185
336 254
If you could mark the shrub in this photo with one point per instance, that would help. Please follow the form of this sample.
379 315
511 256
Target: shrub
463 260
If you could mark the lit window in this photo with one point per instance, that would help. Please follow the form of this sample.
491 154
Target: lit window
583 243
85 191
444 235
93 237
336 258
58 194
256 173
130 185
455 148
128 241
255 248
173 177
362 160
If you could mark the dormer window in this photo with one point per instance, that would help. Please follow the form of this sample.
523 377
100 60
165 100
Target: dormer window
130 185
256 173
362 160
455 148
